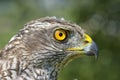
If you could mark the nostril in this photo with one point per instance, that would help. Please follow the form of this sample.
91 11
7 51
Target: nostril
86 41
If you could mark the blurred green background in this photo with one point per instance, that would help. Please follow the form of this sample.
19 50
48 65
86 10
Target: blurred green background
100 19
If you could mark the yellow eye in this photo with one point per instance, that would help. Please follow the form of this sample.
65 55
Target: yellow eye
60 34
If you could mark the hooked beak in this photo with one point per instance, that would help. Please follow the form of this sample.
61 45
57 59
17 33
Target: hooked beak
90 48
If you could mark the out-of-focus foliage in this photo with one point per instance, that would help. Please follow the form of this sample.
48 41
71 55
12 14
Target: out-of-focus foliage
100 18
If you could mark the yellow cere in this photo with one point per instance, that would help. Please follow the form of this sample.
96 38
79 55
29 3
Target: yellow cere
88 38
60 35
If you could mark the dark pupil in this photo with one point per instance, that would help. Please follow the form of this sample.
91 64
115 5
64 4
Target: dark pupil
60 34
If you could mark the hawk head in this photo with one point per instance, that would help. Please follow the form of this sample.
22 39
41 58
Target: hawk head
48 43
52 41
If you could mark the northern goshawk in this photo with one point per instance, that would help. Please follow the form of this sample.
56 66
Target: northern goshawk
38 51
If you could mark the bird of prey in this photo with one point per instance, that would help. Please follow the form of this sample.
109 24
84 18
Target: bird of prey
38 51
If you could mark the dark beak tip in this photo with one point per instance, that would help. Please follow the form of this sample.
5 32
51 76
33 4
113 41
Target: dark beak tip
93 50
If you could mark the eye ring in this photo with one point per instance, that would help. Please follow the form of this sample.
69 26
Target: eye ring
60 34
